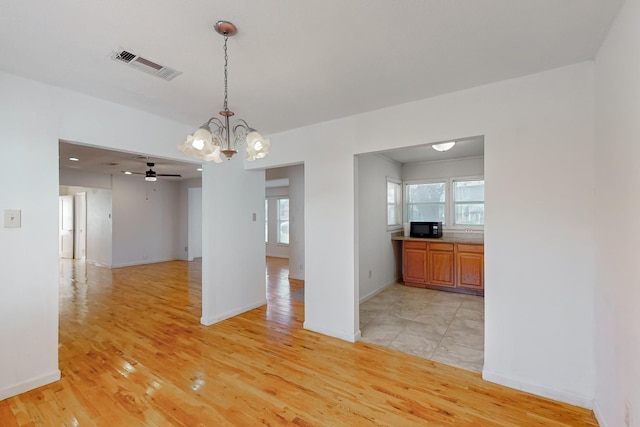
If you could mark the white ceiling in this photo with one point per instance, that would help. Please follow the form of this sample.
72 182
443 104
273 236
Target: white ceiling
97 160
294 62
465 148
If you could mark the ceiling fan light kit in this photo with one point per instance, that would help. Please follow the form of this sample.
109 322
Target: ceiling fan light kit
151 175
215 136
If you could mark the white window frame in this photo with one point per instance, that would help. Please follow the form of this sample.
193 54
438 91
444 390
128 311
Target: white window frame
449 203
398 205
453 203
279 222
427 181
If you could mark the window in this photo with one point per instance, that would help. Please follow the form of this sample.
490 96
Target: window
468 202
426 201
456 202
283 221
394 204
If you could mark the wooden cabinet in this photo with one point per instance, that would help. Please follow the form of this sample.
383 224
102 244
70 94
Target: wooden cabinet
440 264
449 266
470 266
415 262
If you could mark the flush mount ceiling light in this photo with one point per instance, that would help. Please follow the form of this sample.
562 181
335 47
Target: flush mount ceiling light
215 136
445 146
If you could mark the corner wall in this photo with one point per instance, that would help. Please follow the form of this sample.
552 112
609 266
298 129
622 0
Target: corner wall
28 295
617 337
539 222
375 248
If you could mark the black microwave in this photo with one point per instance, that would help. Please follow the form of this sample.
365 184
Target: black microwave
426 229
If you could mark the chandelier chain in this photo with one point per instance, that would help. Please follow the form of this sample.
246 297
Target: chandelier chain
226 61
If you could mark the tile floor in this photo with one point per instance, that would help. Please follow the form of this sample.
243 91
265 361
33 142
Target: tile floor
441 326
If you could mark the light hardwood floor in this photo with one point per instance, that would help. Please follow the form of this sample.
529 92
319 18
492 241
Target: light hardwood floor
133 353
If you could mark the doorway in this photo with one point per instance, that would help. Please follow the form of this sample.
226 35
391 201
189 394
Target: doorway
433 324
284 231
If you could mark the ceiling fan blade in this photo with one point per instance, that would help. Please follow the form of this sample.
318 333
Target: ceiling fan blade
168 174
134 173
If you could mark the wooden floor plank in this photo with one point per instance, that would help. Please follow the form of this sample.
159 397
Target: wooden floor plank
133 353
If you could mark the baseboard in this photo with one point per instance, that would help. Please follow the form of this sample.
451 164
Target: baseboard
341 335
598 414
539 390
377 291
99 264
208 321
134 263
31 384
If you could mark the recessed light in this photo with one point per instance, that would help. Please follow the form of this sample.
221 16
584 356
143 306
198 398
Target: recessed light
127 173
74 159
199 169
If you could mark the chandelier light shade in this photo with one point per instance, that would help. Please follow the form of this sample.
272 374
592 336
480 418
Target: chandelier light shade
216 137
445 146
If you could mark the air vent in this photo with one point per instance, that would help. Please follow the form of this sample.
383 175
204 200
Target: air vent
145 65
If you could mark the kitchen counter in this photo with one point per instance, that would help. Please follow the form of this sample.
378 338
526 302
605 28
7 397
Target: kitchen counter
470 239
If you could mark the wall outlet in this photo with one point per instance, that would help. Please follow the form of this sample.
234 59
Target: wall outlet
628 414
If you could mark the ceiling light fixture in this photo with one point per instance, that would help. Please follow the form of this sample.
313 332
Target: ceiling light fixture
74 159
445 146
214 137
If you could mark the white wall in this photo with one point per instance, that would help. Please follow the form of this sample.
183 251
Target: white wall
539 168
233 252
618 209
376 251
443 169
145 218
194 204
136 222
28 295
99 226
189 215
29 290
296 222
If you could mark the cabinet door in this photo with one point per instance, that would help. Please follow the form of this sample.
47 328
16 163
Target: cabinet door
415 261
440 268
470 270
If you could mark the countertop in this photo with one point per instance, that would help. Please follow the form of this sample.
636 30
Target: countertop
471 239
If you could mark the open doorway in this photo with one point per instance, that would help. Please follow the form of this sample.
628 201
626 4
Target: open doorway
284 233
434 316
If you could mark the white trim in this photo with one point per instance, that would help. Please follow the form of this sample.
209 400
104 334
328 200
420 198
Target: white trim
598 414
340 335
146 261
376 292
208 321
560 395
28 385
449 202
399 204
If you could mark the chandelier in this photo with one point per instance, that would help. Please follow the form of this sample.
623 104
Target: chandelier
217 136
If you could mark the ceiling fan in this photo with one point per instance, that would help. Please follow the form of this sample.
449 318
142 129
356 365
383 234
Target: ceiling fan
151 175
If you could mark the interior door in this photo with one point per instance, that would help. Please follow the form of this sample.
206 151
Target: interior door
66 226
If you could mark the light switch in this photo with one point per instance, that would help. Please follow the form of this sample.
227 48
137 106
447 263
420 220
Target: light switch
12 218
